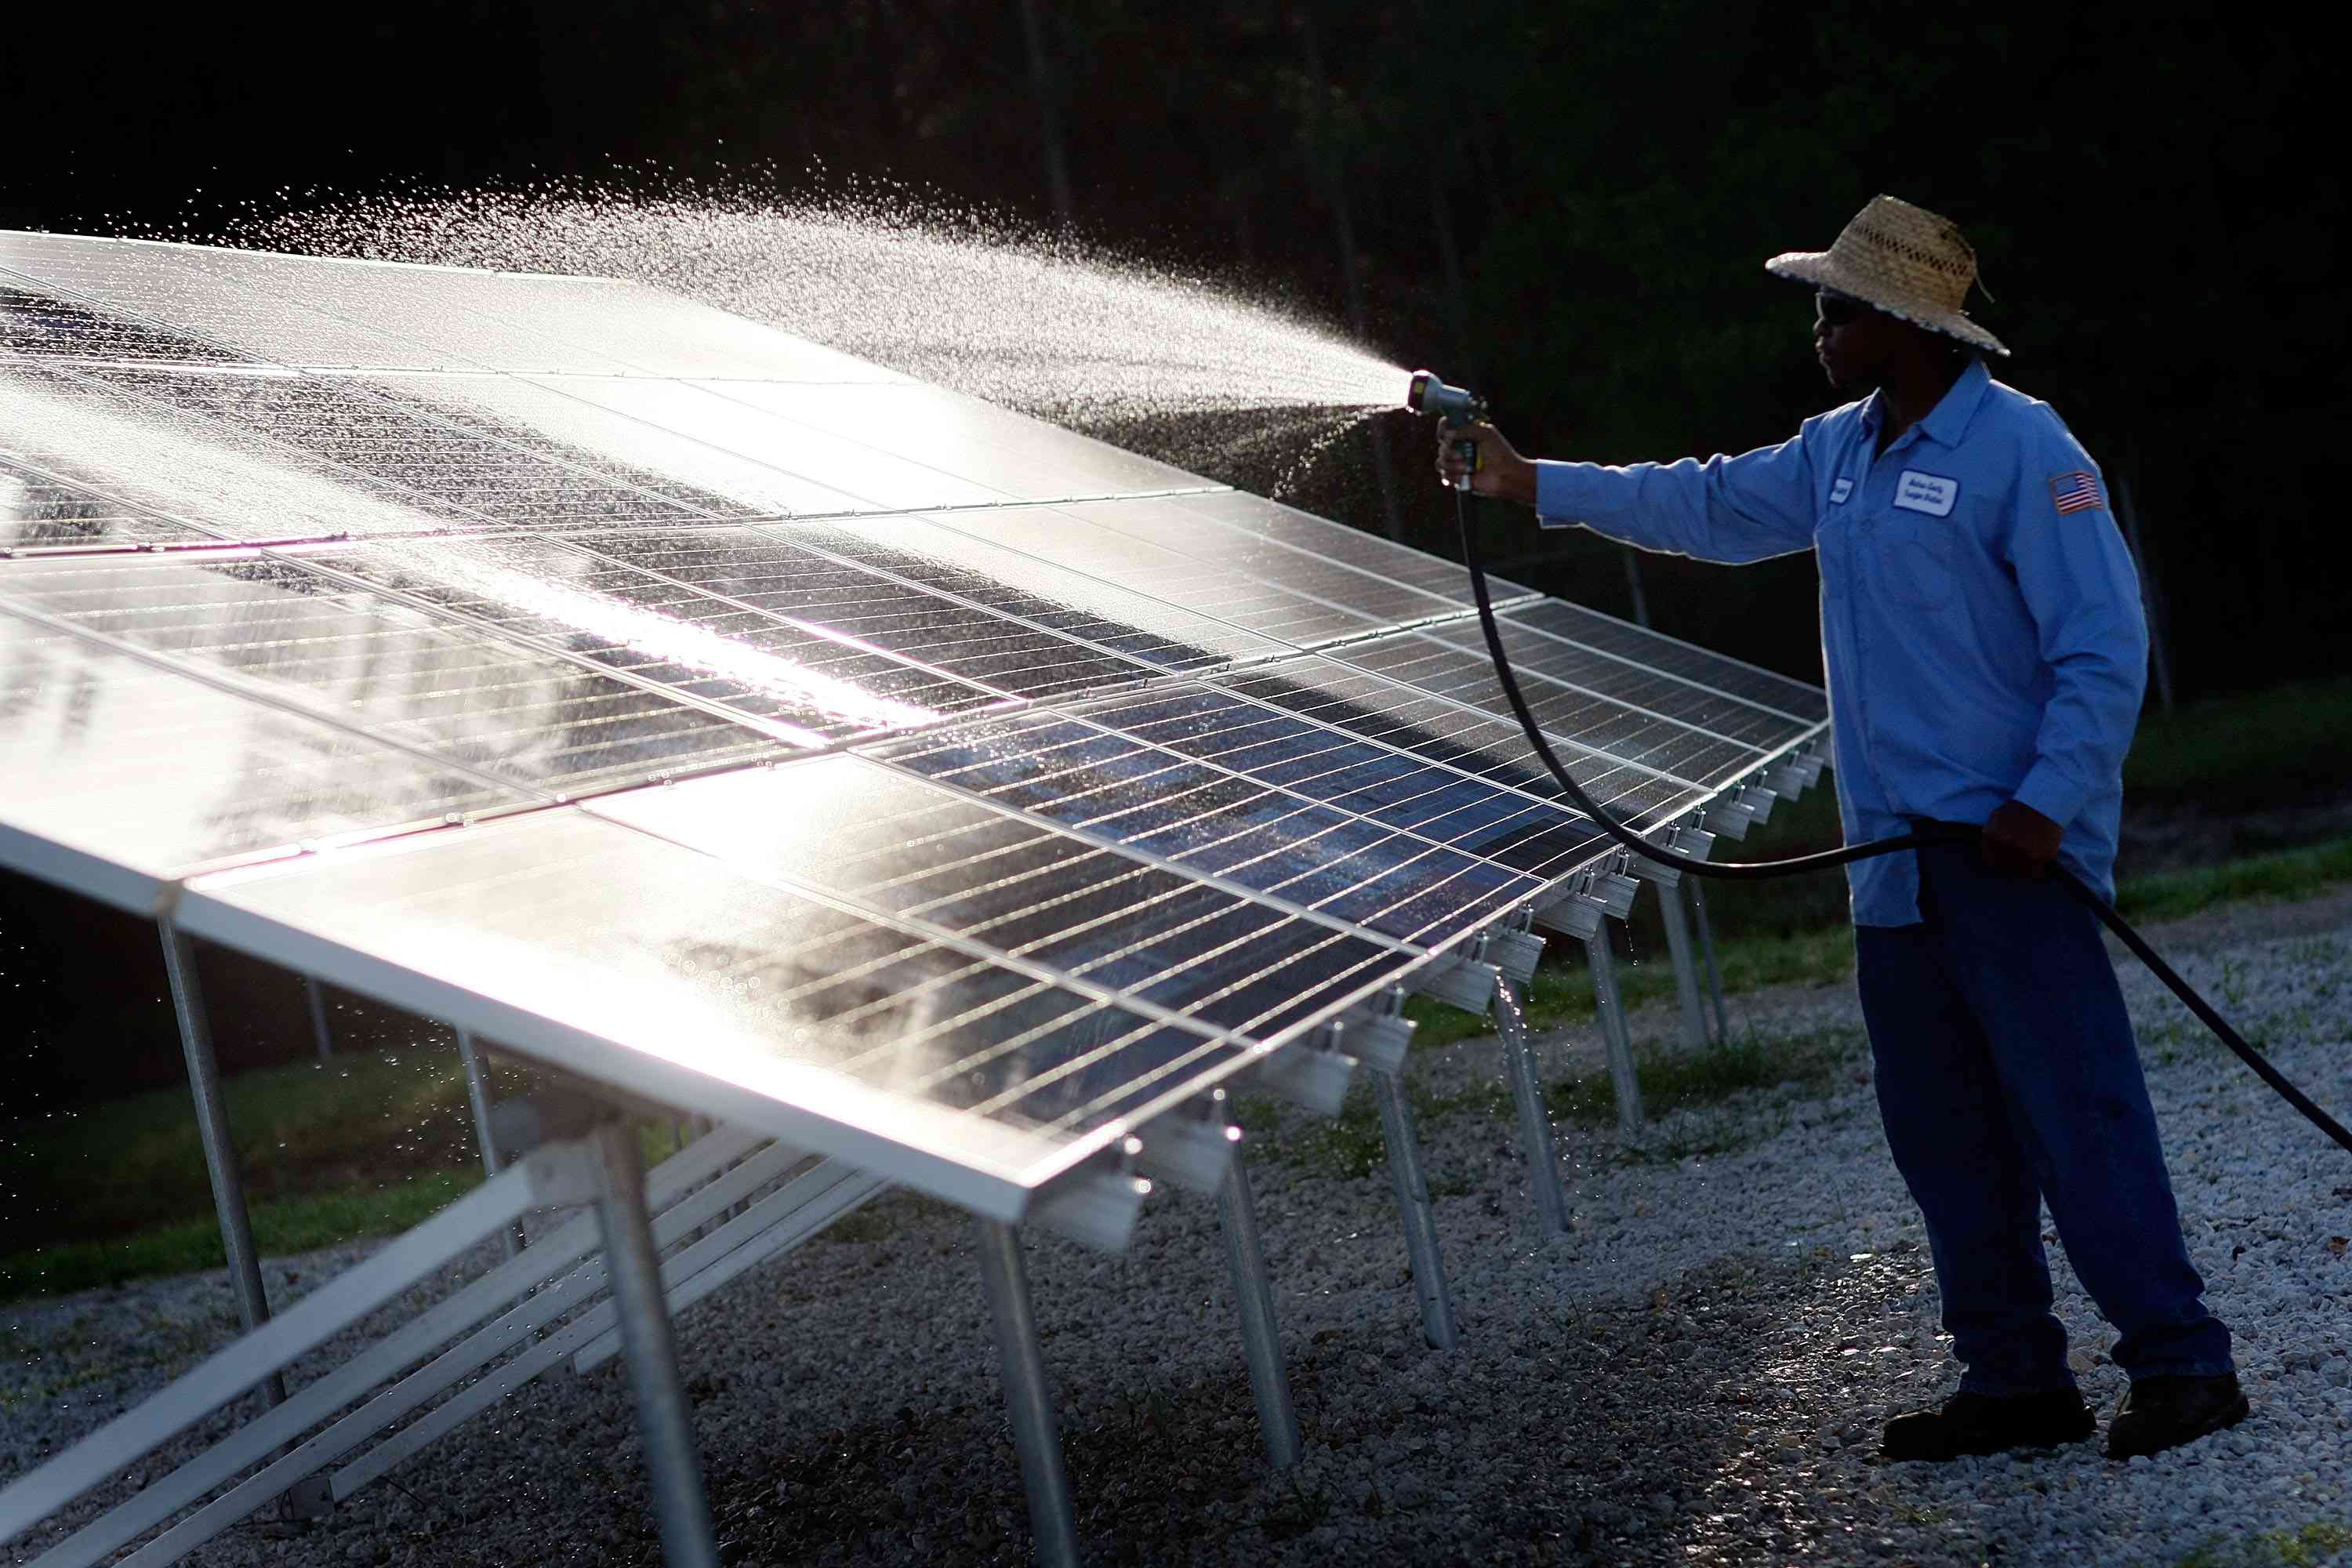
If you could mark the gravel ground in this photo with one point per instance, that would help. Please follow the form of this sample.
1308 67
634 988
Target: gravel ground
1695 1373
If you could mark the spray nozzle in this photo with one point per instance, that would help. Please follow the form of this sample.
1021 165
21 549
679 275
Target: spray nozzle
1459 407
1456 406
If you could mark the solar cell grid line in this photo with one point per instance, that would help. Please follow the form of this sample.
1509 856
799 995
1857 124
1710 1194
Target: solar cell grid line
1187 943
1672 696
39 509
1317 610
39 320
1639 647
498 705
864 477
219 478
1347 700
1595 723
185 297
457 934
352 407
1019 457
1365 551
674 463
1175 526
403 449
1367 661
571 933
1184 814
1025 757
1106 617
804 686
1274 609
308 310
1349 772
782 580
83 803
942 848
1551 665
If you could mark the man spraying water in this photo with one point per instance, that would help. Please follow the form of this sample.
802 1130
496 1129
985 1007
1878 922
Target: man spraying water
1986 655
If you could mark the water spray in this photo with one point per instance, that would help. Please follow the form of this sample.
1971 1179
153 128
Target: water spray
1425 394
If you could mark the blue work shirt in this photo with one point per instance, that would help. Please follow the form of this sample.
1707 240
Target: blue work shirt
1981 616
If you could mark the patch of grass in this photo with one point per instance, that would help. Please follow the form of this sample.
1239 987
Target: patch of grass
2287 873
2306 1548
364 1143
281 1226
350 1123
1350 1146
2245 754
1680 1082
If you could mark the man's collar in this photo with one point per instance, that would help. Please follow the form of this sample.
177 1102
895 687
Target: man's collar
1949 420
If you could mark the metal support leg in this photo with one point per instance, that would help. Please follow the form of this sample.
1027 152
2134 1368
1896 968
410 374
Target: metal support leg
1535 1120
1617 1041
1261 1344
1707 947
1414 1207
477 1095
1675 917
633 1263
318 1027
212 1127
1035 1438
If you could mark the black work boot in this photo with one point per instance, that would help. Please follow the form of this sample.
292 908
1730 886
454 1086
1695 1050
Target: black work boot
1987 1424
2162 1413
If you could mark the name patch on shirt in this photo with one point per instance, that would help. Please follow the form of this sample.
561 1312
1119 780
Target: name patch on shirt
1930 493
1840 490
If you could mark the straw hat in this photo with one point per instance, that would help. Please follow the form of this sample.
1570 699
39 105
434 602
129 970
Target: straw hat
1901 259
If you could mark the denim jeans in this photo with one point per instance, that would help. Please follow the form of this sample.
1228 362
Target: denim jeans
2008 1075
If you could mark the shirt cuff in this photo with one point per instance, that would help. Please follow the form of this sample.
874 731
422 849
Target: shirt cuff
1559 496
2048 790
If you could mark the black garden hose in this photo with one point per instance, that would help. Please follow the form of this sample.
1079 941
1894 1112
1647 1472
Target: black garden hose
1797 864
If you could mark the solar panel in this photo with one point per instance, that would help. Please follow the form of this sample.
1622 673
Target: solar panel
842 664
541 718
992 999
1319 538
258 307
1456 734
1638 648
40 511
1668 747
1195 817
750 729
142 774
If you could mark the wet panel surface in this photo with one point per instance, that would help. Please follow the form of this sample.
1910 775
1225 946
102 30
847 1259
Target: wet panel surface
904 850
621 937
149 769
520 714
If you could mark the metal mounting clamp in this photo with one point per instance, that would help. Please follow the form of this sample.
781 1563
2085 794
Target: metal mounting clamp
1514 953
1615 893
1312 1079
1464 983
1184 1152
1093 1204
1574 916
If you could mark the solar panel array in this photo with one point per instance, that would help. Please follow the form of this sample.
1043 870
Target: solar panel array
736 722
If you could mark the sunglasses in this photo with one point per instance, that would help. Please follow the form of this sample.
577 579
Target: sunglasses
1837 310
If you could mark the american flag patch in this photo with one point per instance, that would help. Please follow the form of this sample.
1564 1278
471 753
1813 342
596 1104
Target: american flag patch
2075 492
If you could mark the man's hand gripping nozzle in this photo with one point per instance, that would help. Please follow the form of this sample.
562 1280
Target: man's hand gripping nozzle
1460 409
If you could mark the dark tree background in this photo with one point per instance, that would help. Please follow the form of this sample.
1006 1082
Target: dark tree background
1567 201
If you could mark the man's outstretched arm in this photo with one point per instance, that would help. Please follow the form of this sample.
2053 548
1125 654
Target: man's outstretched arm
1731 509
